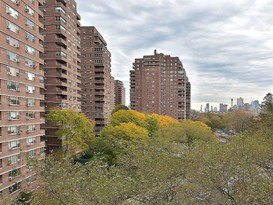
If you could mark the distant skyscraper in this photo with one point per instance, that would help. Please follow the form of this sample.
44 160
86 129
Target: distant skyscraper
231 102
159 84
119 93
207 107
255 105
240 102
223 107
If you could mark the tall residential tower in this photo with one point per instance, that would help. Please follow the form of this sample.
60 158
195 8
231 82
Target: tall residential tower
22 82
119 93
97 83
62 60
159 84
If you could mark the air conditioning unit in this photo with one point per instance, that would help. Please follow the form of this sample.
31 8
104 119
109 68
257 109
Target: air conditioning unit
8 73
8 27
19 132
18 160
10 178
8 12
16 45
26 37
16 60
17 74
27 10
17 2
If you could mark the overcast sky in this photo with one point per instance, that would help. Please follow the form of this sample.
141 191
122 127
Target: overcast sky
226 46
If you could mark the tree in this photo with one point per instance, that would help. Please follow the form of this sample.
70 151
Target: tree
74 129
125 132
238 121
119 107
125 116
212 120
266 114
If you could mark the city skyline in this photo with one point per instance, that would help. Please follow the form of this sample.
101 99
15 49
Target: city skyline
225 46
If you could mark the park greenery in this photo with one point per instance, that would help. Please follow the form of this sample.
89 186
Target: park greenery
151 159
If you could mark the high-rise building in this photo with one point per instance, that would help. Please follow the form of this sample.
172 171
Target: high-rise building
97 83
21 49
223 107
119 93
62 61
240 103
207 108
159 84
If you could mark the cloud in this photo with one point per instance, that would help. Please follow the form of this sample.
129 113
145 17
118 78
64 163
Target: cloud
224 45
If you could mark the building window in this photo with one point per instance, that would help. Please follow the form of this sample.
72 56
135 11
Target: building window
31 141
13 56
12 41
15 187
31 102
60 9
32 153
30 76
13 86
30 89
12 27
13 100
13 130
30 50
14 173
11 12
30 37
14 159
14 144
12 71
31 128
30 63
29 11
30 115
29 24
13 115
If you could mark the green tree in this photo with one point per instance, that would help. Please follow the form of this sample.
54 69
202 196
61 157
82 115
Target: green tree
119 107
214 121
74 129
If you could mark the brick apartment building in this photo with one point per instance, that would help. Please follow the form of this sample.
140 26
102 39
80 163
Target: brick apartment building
21 85
62 61
119 93
97 83
159 84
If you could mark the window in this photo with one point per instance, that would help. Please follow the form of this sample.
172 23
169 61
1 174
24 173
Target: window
12 71
29 11
11 12
15 187
30 115
30 76
12 41
31 141
13 56
13 115
32 153
14 144
30 50
13 130
31 102
30 63
60 9
31 128
14 173
12 27
30 37
29 23
13 100
31 179
30 89
13 86
14 159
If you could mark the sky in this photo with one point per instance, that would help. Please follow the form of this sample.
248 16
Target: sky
226 46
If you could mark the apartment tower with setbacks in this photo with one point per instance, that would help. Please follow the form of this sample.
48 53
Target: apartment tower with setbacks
159 84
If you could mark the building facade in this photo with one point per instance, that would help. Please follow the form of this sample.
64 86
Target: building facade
62 61
22 82
159 84
119 93
97 82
